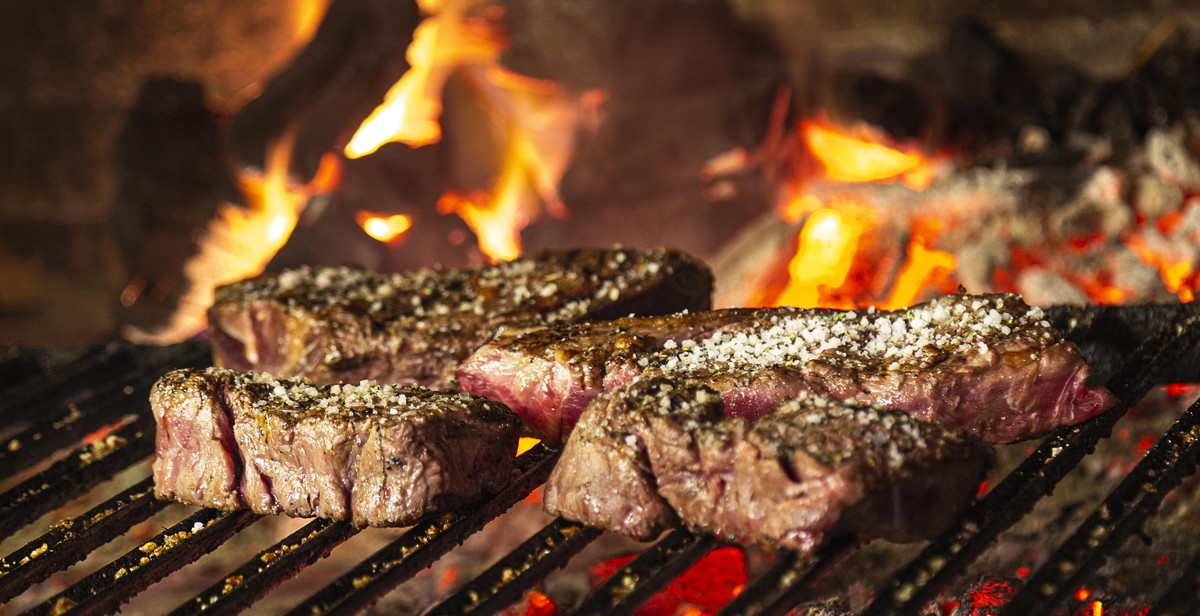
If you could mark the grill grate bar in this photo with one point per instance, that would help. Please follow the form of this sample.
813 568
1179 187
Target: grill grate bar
636 582
253 580
948 556
71 539
93 368
1183 596
424 543
1139 494
103 405
105 590
503 583
789 580
72 475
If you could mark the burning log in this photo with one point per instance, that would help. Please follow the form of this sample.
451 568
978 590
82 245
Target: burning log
355 56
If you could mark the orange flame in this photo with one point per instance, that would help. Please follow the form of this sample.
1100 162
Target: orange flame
825 251
306 15
536 117
410 111
830 243
240 241
865 158
383 227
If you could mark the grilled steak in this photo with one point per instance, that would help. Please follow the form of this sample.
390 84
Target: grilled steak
662 451
344 325
989 364
377 455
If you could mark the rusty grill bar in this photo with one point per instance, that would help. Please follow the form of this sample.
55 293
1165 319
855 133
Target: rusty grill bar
108 385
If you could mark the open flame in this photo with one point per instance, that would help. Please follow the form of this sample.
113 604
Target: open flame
861 155
240 240
825 249
827 269
536 118
386 228
443 42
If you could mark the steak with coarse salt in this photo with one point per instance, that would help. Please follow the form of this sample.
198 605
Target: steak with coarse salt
345 325
376 455
989 364
661 453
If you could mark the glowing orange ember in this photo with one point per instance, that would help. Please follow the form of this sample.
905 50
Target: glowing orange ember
1176 273
703 589
838 235
863 157
496 221
540 605
383 227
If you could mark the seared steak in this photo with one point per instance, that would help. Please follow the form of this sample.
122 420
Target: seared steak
989 364
663 451
344 325
378 455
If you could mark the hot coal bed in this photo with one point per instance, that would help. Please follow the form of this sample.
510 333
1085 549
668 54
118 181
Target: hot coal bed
1054 529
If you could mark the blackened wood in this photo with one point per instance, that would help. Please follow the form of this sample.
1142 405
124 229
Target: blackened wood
172 177
355 57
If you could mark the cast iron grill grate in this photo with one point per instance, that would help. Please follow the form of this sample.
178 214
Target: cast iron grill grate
82 423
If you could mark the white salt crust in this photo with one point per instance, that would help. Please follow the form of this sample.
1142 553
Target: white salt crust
366 396
865 339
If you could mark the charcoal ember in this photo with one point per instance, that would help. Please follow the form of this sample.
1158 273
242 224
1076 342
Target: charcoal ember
376 455
342 324
663 450
989 364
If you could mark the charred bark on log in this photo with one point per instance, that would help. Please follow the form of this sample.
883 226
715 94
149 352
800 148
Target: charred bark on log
354 58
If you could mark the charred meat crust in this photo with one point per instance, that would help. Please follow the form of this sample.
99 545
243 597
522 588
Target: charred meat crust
376 455
344 325
661 452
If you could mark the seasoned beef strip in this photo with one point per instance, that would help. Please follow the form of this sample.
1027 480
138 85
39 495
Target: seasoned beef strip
989 364
344 325
377 455
661 451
